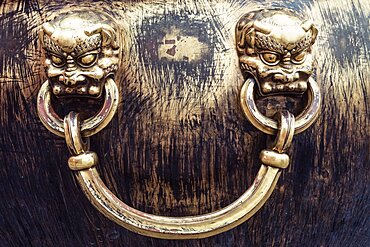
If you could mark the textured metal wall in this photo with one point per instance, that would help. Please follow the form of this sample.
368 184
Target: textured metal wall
180 144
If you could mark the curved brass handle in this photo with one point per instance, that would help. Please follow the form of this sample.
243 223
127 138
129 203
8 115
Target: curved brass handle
270 57
179 227
190 227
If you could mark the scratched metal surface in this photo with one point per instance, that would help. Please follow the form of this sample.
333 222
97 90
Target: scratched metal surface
180 144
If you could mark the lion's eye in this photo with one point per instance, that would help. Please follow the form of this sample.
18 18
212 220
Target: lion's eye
57 61
87 60
270 58
299 58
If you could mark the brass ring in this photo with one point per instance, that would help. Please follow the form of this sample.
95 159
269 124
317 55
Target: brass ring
188 227
270 126
90 126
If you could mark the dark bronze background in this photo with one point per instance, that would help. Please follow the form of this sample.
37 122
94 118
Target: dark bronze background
180 144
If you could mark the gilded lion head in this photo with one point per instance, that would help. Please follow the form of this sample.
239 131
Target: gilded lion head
275 48
82 51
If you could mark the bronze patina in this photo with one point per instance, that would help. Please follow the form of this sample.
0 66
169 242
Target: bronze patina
82 57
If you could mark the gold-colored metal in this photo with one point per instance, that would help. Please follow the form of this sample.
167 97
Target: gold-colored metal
189 227
71 127
268 125
83 161
82 51
274 46
275 156
89 126
287 123
275 159
286 131
82 56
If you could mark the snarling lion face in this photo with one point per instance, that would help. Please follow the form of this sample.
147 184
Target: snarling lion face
82 51
275 48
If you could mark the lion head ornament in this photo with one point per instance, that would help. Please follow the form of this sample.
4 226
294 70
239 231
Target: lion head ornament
275 48
82 51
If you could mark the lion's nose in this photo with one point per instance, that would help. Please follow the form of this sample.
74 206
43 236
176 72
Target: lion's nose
287 64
